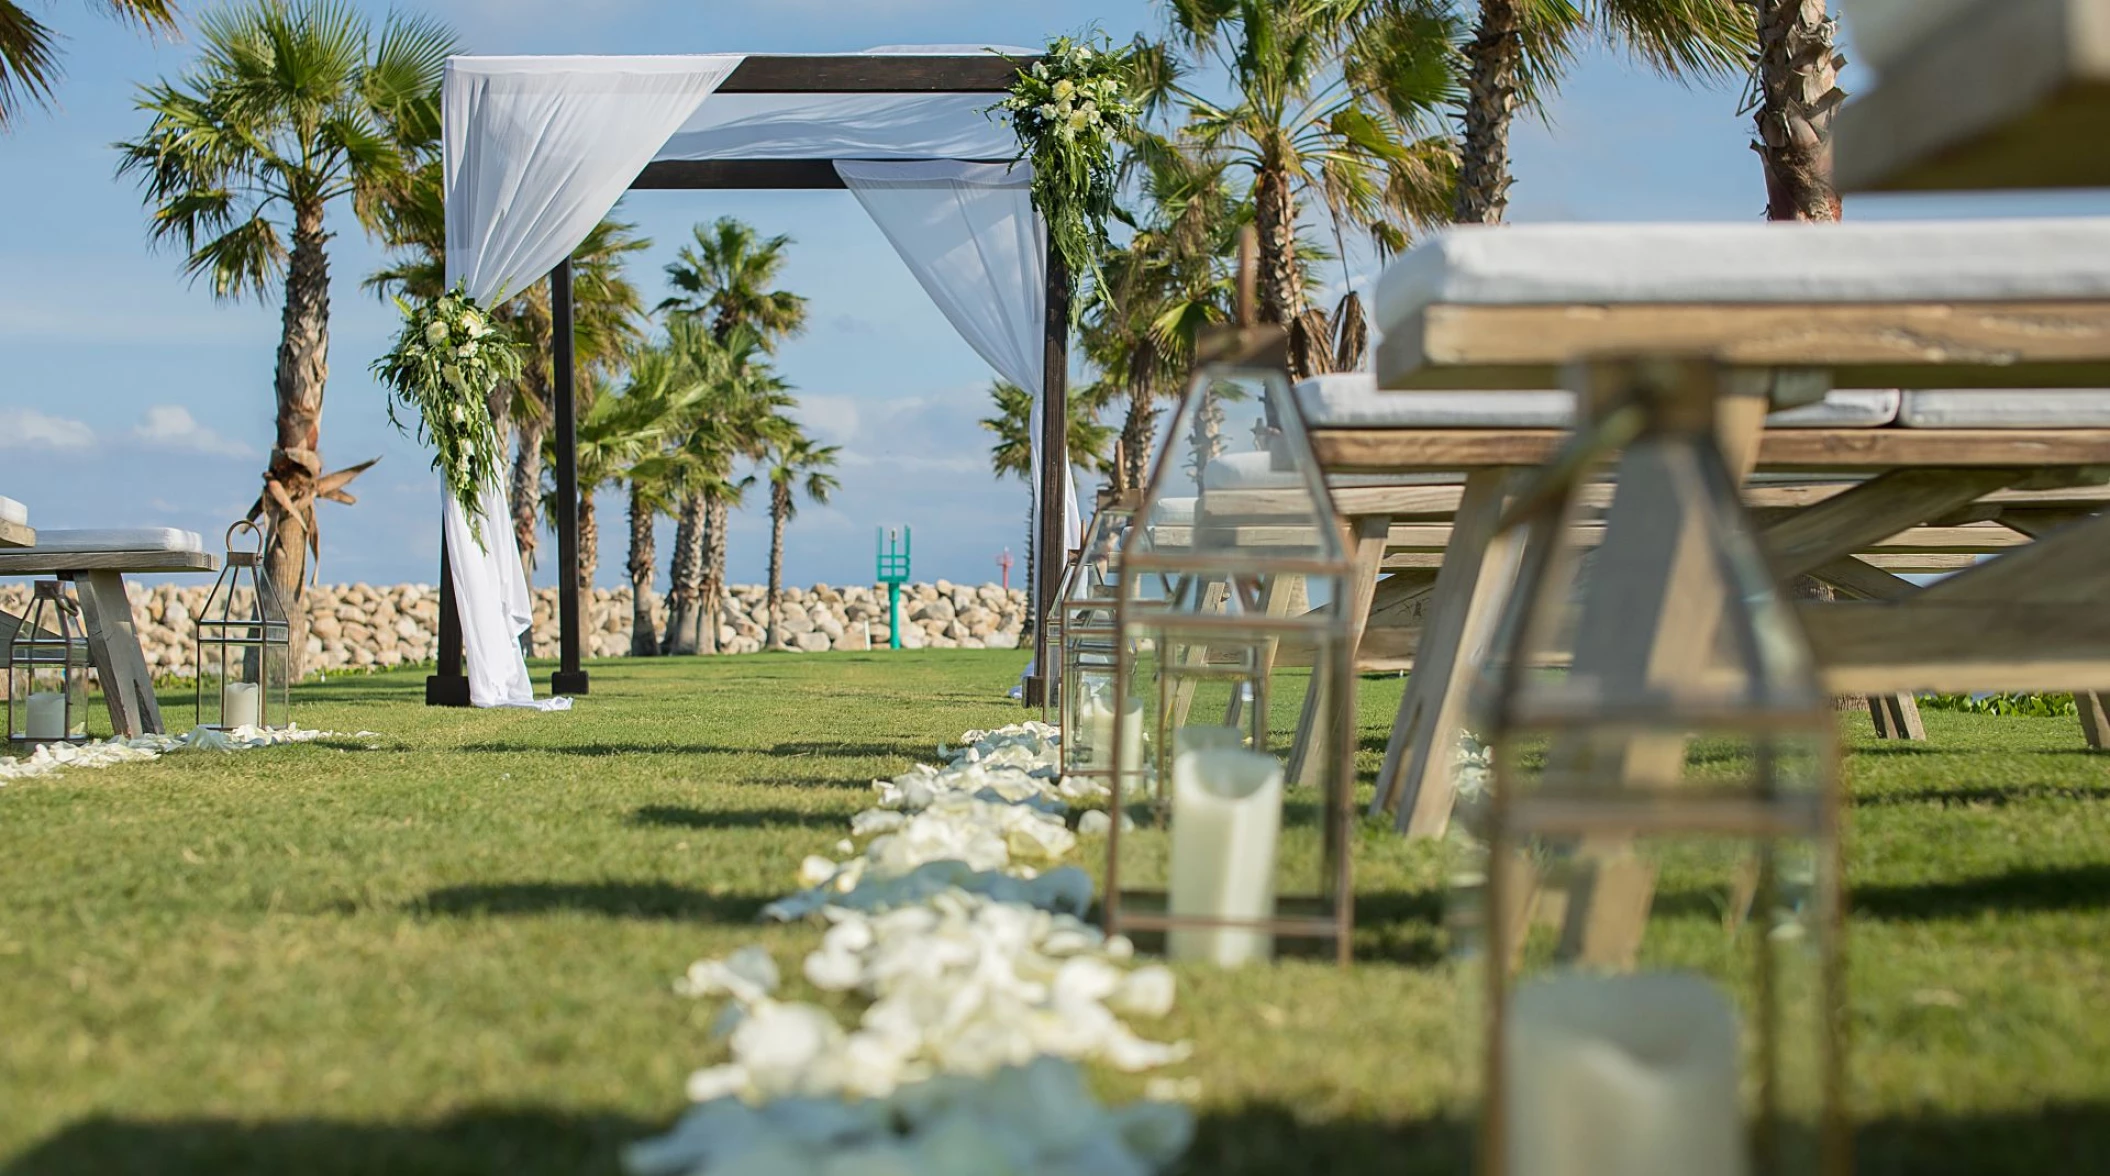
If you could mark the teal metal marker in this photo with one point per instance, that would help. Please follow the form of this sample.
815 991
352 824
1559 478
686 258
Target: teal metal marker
893 572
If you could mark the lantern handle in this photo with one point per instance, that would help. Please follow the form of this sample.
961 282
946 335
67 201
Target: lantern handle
241 525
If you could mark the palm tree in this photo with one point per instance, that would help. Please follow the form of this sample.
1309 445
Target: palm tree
661 374
1797 91
1335 100
727 276
740 416
292 107
1158 291
607 317
1012 454
29 64
795 464
1519 47
623 426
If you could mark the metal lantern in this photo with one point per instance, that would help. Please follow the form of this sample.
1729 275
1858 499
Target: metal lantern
1051 624
47 670
1657 910
244 644
1084 632
1232 679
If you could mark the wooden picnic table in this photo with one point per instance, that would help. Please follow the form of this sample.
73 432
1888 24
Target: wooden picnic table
106 609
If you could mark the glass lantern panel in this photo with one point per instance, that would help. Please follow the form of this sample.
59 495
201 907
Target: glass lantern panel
244 662
1670 994
1662 614
1232 583
47 673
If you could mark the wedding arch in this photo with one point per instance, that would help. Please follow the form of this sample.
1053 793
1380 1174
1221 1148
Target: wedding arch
537 150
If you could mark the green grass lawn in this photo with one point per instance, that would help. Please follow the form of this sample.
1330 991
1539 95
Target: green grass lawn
449 948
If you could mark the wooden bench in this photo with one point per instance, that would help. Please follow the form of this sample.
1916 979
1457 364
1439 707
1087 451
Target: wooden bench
106 609
1769 311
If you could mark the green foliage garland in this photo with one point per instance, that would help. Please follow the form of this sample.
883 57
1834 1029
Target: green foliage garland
450 356
1071 112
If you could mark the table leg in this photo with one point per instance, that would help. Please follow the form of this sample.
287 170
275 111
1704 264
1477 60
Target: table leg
113 648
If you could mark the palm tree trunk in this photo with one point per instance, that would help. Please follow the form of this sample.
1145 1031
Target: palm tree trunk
1492 61
717 513
685 579
1798 77
644 641
296 461
1135 439
527 485
779 515
1275 216
589 545
1028 630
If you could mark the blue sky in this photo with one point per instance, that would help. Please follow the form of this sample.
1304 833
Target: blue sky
129 397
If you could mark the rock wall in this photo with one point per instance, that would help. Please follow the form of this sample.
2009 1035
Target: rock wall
359 626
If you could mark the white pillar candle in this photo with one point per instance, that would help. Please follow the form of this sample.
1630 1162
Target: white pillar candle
1634 1075
1204 738
1226 811
47 715
240 705
1099 722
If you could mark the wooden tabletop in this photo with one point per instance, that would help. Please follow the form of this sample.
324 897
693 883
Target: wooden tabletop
2007 94
1446 450
45 563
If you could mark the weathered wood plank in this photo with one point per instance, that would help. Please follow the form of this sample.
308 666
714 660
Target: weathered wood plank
1997 97
1895 345
45 563
1854 521
13 534
1374 451
1934 645
875 73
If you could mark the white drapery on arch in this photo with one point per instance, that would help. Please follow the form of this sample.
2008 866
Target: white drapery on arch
969 233
539 149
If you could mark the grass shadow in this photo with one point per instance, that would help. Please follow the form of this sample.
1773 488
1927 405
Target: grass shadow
798 750
1991 796
657 901
521 1140
2062 889
667 816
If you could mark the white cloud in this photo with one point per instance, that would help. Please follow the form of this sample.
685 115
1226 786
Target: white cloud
171 426
26 428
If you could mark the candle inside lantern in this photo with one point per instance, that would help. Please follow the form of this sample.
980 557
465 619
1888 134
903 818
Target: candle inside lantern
1629 1074
1226 811
1099 721
241 705
47 715
1201 737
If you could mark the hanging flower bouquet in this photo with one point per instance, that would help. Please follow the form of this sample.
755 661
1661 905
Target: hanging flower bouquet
445 363
1071 112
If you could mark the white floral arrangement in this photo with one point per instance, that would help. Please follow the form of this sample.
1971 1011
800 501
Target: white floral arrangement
1071 112
450 356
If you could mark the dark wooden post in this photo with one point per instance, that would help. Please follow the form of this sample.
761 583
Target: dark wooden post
1051 539
569 678
448 687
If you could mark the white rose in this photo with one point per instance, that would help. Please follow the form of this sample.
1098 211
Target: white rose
1063 89
467 350
436 331
472 323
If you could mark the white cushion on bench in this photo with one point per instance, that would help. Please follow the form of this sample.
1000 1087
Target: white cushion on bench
1348 400
14 512
1174 512
1969 408
119 539
1841 408
1847 262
